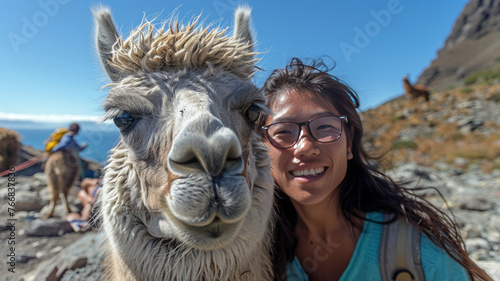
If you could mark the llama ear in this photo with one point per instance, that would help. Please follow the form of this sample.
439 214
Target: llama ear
242 30
105 36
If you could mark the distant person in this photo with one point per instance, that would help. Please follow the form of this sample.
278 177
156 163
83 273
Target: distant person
63 168
68 142
87 195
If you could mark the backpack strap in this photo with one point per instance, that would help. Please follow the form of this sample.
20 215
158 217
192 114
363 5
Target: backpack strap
400 251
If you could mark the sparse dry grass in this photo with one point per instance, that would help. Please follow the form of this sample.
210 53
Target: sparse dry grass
446 143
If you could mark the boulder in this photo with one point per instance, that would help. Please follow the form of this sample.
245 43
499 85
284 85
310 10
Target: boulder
474 244
48 227
80 261
476 204
28 201
414 176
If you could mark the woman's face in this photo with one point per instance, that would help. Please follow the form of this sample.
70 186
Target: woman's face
328 161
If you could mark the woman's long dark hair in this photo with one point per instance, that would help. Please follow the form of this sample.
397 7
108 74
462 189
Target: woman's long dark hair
364 189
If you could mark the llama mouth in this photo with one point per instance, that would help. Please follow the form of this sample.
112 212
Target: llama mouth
309 172
215 228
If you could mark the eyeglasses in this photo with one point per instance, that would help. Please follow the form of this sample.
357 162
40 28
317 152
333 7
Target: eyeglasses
323 129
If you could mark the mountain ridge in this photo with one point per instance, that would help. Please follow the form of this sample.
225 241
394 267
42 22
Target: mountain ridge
472 45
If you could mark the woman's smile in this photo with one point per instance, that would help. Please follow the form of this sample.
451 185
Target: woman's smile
308 172
304 175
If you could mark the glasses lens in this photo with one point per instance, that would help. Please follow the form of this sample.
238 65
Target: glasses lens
283 134
326 129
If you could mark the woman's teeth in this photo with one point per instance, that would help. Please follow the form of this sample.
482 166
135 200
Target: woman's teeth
309 172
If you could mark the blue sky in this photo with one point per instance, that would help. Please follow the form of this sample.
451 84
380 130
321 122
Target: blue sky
49 66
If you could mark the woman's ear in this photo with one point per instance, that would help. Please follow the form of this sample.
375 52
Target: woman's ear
349 151
350 137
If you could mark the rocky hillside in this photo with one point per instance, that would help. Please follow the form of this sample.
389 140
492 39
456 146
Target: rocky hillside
451 143
458 127
473 45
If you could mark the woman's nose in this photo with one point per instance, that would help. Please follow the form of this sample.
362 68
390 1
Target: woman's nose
306 144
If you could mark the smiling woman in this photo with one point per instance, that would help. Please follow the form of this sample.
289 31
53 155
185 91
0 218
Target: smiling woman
331 204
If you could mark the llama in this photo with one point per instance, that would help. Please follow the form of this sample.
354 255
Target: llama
9 147
415 91
62 169
188 191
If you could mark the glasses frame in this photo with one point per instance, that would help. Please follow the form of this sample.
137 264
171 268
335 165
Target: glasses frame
301 124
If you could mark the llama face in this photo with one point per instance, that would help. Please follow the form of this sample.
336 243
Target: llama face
188 135
190 165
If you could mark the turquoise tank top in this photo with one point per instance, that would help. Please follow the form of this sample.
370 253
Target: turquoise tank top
364 264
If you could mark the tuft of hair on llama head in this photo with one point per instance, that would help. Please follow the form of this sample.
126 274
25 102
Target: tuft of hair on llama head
188 191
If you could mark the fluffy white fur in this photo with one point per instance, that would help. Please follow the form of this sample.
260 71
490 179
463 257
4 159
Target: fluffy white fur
188 192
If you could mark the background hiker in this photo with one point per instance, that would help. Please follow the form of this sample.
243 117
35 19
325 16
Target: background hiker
63 168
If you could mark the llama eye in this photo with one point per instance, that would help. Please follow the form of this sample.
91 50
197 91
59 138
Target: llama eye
252 113
124 121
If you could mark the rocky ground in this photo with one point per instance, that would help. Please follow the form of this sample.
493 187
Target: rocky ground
48 249
36 248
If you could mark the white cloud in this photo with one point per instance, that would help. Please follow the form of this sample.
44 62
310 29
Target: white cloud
47 118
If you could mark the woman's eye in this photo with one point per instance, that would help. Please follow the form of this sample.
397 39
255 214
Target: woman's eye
282 132
252 113
124 121
325 127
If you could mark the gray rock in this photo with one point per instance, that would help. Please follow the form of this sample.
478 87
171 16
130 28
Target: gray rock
412 176
461 162
24 258
28 201
38 184
493 236
480 255
71 264
37 244
491 267
24 187
56 249
41 254
40 176
59 211
80 261
5 226
473 231
477 204
495 173
467 126
26 215
410 134
48 227
474 244
44 194
495 222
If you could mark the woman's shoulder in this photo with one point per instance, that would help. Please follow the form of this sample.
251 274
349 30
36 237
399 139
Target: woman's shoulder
438 264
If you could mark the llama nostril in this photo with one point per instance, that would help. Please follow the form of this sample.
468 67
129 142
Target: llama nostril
191 163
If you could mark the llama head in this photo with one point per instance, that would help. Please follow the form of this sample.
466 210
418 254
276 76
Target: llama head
190 165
